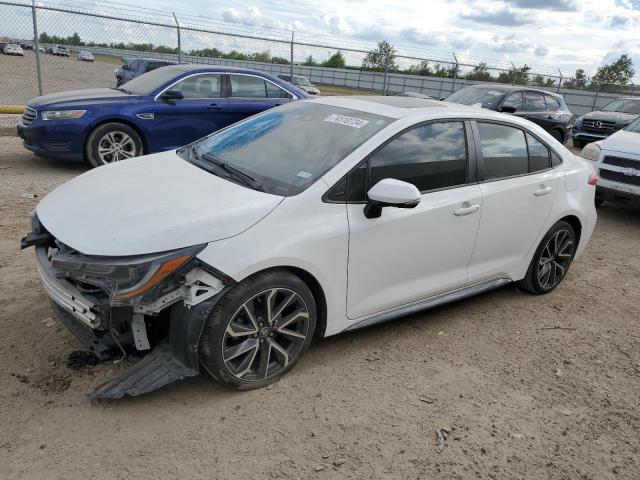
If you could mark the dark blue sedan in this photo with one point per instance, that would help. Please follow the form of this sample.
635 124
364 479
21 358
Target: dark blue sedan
160 110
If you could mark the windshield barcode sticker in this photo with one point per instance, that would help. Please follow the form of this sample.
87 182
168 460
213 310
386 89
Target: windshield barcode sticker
345 120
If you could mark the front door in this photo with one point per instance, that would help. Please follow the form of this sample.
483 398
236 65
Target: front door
410 254
203 110
518 191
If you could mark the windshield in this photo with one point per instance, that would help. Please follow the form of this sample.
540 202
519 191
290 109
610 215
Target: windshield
634 126
149 82
286 149
301 81
623 105
485 97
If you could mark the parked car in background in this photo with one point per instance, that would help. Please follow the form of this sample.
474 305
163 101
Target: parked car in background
49 50
617 159
538 106
61 51
599 124
13 49
85 56
41 49
240 243
134 67
160 110
301 82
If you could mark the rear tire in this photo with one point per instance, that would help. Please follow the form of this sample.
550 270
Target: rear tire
112 142
598 202
557 134
259 330
578 143
551 261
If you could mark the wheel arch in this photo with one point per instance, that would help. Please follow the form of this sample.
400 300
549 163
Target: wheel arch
124 121
561 132
316 290
575 223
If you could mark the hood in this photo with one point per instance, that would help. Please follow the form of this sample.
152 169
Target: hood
622 142
81 98
610 116
311 90
149 204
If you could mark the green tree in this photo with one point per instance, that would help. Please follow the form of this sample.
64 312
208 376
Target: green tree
578 81
383 57
423 69
616 75
310 62
336 61
479 73
515 75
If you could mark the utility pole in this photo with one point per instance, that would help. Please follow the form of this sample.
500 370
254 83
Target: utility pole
36 45
291 59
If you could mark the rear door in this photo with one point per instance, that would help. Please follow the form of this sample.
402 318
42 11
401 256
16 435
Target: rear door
518 187
536 110
203 110
251 94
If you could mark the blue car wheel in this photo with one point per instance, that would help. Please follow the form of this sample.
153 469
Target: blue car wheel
113 142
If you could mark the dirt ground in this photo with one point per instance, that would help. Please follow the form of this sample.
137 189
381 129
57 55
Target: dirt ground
530 387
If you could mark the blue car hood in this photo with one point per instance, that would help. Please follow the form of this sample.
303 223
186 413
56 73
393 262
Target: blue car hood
82 98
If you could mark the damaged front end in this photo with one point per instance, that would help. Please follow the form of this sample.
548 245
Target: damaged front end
156 302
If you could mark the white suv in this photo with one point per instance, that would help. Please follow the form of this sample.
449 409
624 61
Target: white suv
312 218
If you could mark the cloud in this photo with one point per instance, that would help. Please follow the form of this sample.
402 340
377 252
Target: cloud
253 17
541 51
618 21
413 35
629 4
511 44
504 17
556 5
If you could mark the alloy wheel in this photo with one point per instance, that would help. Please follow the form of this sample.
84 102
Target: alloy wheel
116 146
555 259
265 334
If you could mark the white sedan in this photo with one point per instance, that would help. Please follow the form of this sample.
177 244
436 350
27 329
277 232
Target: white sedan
313 218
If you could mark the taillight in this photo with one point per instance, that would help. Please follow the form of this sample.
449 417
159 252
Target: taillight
593 178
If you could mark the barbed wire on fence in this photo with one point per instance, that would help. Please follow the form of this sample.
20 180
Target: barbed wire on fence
117 30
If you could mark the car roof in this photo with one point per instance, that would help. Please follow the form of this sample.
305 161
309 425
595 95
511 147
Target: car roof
188 67
511 88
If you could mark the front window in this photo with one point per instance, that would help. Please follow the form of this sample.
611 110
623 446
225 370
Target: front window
481 97
623 105
302 81
200 86
286 149
149 82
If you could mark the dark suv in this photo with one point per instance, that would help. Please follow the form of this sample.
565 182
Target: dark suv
134 67
599 124
544 108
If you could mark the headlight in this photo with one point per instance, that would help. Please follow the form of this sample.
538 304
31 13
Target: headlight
591 152
125 278
62 114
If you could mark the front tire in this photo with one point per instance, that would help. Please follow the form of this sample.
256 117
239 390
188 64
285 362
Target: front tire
259 330
551 261
557 134
112 142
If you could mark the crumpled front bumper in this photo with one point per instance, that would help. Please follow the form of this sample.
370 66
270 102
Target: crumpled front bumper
173 358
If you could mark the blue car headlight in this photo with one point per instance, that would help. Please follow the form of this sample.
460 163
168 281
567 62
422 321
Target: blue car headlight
62 114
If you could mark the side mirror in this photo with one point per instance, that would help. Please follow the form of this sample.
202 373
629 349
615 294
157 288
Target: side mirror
507 109
390 192
172 95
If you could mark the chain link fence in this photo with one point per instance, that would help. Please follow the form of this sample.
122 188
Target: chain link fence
337 66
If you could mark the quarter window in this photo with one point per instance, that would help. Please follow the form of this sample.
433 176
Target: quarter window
430 157
504 151
534 102
539 156
200 86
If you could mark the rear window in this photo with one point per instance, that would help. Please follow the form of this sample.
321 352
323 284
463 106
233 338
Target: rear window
482 97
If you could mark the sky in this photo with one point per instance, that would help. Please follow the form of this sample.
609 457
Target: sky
568 34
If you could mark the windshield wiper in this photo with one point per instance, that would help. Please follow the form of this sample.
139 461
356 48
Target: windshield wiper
248 180
128 92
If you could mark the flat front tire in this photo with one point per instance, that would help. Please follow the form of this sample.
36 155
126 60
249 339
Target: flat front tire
259 330
551 260
112 142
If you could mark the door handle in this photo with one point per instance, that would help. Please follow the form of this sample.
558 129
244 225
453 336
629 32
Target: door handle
466 209
542 191
214 106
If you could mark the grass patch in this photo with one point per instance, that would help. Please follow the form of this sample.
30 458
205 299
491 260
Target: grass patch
107 59
339 90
